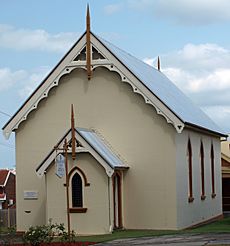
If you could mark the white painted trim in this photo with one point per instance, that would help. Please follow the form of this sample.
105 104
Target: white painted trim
87 149
7 177
111 63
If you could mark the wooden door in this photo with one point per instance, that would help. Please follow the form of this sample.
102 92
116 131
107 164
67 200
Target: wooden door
117 201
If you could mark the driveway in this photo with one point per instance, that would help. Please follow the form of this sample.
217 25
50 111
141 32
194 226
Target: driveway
174 240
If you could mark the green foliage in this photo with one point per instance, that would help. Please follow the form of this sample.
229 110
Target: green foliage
7 235
46 233
12 230
68 238
38 234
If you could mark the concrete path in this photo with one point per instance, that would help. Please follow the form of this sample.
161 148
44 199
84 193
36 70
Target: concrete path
174 240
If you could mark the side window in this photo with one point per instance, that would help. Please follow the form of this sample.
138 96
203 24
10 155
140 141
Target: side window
212 172
77 200
190 185
202 171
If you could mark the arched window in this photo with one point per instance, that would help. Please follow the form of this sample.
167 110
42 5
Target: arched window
190 188
212 171
202 171
77 200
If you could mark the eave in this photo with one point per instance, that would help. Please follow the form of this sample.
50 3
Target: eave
205 130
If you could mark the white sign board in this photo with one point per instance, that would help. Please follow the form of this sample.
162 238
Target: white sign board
30 195
60 165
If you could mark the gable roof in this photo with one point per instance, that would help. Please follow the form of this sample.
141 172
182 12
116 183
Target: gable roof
152 84
4 175
90 142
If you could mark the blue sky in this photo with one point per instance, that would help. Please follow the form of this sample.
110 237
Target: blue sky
191 37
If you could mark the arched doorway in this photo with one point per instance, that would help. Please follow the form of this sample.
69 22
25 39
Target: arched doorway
117 201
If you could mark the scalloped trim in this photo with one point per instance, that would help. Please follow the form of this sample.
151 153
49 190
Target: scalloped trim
110 67
179 127
45 94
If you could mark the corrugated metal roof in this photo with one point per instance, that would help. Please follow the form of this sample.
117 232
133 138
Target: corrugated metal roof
164 89
101 148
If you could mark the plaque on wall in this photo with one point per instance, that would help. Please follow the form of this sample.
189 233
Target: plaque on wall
30 195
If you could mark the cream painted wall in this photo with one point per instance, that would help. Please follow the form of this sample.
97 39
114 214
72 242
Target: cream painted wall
28 211
192 213
143 139
225 148
95 198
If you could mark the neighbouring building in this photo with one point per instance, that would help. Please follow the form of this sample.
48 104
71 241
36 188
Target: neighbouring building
7 188
225 163
140 155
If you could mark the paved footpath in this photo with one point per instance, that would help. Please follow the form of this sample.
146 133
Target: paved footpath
174 240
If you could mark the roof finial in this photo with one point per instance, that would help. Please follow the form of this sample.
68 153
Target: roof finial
73 134
88 48
88 18
158 64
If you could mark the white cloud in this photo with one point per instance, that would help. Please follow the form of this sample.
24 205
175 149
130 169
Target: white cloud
195 68
221 115
203 73
26 81
8 78
203 56
150 61
186 12
33 79
26 39
113 8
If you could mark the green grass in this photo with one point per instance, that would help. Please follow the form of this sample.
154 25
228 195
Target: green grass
3 230
125 234
222 226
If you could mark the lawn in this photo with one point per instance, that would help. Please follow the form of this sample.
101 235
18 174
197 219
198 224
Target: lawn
222 226
125 234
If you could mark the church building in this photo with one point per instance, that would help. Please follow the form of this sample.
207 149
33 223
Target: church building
132 152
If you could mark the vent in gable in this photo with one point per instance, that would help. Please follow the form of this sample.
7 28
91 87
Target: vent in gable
96 54
81 56
78 144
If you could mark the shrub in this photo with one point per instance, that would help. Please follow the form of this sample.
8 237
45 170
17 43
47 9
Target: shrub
46 233
64 237
38 234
